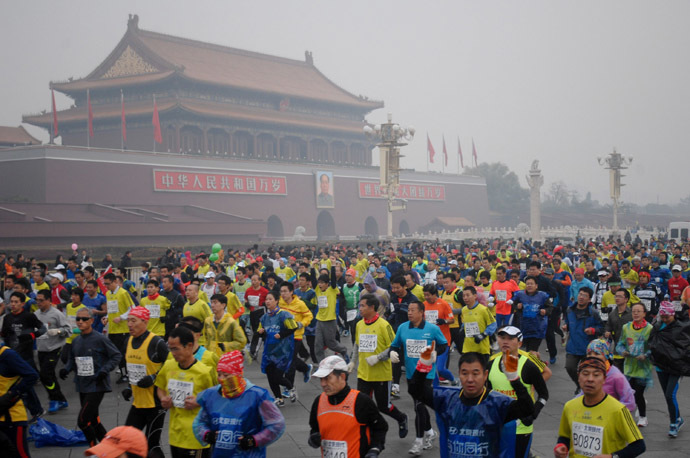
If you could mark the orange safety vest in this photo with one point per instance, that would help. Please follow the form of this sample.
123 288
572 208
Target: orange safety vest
340 430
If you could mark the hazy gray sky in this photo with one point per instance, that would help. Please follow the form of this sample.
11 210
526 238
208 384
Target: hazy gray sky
559 81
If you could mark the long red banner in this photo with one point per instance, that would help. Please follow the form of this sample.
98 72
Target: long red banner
372 190
181 181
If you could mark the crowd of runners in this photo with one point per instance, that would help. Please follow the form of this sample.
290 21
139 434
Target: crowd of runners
177 338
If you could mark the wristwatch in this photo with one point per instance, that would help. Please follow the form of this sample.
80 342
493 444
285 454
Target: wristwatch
614 455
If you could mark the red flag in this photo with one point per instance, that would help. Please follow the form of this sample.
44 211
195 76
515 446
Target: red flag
88 102
462 163
430 149
474 153
99 280
55 123
124 120
445 153
156 124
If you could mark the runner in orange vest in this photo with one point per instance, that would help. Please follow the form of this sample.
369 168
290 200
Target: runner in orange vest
338 414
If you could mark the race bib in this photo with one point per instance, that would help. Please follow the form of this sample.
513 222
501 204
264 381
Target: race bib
523 266
625 284
604 316
84 365
677 305
431 315
113 307
471 329
179 391
334 449
501 295
322 302
154 310
240 296
415 347
657 279
351 314
253 301
135 372
72 321
587 439
282 276
368 343
232 274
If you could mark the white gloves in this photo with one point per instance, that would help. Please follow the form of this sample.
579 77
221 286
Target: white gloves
351 366
509 302
395 357
372 360
53 332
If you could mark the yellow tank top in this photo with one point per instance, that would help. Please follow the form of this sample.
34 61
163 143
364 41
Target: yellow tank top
138 366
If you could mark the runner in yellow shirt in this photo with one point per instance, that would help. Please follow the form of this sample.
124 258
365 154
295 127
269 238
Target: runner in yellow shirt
195 306
119 302
157 305
178 383
373 338
596 424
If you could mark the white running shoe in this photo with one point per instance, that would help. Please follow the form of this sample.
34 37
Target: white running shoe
395 390
293 395
429 439
642 422
416 449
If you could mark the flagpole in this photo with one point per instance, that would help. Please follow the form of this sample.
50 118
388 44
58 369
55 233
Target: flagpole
154 133
459 155
88 123
427 151
122 130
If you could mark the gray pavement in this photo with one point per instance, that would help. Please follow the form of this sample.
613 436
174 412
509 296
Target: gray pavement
294 442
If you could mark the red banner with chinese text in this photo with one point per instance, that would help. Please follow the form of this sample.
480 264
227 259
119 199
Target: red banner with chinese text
178 181
372 190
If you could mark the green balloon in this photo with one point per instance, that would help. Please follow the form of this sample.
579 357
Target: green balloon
213 257
216 247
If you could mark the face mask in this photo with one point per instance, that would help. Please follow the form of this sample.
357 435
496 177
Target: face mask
232 386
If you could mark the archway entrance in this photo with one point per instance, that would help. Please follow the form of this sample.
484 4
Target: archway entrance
325 226
275 227
404 228
371 227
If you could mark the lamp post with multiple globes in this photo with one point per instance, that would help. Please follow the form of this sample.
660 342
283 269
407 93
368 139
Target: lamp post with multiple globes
614 163
390 137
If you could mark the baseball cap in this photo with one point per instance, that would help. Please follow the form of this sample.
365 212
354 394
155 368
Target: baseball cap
351 272
57 275
119 440
511 331
579 271
677 267
371 253
602 272
453 262
210 274
549 271
330 364
684 258
60 267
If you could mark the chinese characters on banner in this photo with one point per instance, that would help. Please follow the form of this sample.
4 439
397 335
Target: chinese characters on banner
371 189
178 181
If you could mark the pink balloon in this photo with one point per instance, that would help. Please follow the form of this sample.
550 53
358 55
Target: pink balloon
74 247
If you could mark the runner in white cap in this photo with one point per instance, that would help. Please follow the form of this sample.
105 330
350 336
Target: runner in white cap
343 421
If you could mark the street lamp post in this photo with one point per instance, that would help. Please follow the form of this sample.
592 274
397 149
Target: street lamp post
615 162
389 136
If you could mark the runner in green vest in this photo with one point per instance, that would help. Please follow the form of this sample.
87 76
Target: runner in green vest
510 339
